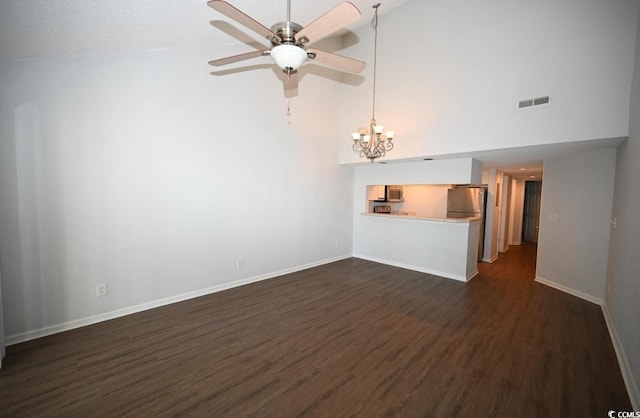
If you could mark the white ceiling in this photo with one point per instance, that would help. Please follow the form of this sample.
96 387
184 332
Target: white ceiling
32 29
48 28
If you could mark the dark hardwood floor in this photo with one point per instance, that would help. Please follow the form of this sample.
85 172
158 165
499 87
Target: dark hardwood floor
352 338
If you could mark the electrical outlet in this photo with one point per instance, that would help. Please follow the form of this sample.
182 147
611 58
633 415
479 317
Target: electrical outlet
614 223
101 289
240 263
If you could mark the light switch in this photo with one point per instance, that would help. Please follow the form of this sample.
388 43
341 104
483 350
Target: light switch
553 216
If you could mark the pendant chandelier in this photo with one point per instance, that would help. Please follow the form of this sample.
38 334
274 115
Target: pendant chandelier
372 142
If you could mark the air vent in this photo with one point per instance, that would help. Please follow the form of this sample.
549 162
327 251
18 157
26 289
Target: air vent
525 103
541 100
533 102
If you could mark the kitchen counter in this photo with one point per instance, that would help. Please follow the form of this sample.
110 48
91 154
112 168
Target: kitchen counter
399 215
445 247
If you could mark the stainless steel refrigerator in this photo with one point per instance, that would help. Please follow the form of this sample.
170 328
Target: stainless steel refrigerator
468 202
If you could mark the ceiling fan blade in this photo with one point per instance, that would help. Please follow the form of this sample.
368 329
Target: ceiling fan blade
336 18
242 18
290 79
240 57
339 62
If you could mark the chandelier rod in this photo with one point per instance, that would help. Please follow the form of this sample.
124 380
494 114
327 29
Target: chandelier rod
374 25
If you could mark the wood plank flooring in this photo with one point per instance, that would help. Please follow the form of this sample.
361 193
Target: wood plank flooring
352 338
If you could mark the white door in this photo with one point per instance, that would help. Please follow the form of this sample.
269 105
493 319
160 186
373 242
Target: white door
531 218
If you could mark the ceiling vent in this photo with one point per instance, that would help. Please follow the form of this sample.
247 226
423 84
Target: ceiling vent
533 102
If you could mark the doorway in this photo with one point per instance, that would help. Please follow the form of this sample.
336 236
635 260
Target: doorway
531 212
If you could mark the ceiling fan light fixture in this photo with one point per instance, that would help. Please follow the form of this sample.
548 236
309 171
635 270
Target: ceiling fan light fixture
288 56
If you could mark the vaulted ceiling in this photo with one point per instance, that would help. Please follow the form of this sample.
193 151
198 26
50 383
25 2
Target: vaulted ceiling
32 29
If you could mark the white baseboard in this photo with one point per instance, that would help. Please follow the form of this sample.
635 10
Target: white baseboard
490 260
569 290
446 275
623 361
94 319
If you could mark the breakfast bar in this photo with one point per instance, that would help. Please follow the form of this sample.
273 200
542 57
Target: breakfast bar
443 247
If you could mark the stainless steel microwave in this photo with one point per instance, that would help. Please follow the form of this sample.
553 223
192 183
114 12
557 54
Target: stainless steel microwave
394 194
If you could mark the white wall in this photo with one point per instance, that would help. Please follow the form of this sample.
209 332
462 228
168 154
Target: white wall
450 76
147 173
577 192
623 274
452 171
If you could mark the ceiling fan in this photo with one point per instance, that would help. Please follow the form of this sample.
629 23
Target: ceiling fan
290 41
